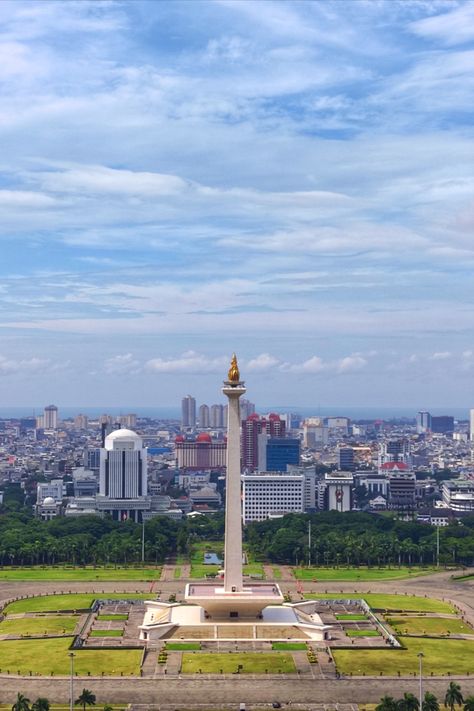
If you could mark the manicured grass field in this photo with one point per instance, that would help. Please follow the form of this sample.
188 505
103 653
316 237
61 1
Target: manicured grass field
253 569
112 618
43 656
74 601
276 573
405 603
106 633
177 573
80 574
350 617
183 646
427 625
50 624
440 657
362 573
201 570
362 633
289 646
251 663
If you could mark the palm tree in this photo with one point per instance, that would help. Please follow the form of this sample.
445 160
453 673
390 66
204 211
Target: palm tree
430 703
408 703
87 698
387 703
453 696
21 703
41 704
469 704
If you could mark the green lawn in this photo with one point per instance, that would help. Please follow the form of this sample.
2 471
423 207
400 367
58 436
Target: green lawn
253 569
74 601
428 625
183 646
50 624
177 573
43 656
362 633
362 573
81 574
106 633
349 617
440 657
289 646
200 571
276 573
252 663
112 617
406 603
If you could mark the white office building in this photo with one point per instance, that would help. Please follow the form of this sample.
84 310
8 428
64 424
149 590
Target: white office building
268 494
123 476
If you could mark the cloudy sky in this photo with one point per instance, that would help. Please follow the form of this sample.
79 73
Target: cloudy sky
289 180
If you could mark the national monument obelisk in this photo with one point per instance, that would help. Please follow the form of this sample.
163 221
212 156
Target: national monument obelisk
233 389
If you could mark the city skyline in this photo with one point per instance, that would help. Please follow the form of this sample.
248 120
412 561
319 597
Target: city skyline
290 181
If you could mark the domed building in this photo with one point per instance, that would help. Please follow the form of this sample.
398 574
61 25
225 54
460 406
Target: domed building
200 453
123 477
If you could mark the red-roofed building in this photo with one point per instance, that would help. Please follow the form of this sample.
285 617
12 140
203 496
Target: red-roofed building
200 453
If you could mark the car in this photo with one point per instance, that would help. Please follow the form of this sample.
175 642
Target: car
276 705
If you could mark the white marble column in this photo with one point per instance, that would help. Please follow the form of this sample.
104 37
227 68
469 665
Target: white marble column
233 504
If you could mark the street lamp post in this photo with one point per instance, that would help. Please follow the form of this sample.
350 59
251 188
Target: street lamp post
420 659
71 690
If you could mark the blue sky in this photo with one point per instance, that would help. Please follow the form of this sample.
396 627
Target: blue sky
290 180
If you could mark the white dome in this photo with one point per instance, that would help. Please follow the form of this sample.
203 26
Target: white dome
49 501
115 439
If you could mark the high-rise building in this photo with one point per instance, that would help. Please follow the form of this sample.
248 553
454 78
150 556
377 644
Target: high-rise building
50 417
267 494
204 419
423 422
252 427
123 476
471 425
216 417
345 458
281 452
128 421
188 411
81 422
444 424
247 408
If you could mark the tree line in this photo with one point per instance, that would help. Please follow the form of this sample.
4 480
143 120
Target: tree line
410 702
358 538
352 539
86 698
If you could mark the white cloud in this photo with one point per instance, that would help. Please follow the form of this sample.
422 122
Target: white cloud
28 365
124 364
264 361
189 362
449 28
441 355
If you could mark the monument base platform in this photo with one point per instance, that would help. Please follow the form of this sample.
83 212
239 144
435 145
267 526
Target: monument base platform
179 621
221 604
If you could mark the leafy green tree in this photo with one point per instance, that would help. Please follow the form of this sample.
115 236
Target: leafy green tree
387 703
21 703
408 703
87 698
41 704
453 696
468 704
430 703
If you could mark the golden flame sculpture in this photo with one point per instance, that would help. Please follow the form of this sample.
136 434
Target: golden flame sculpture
234 374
